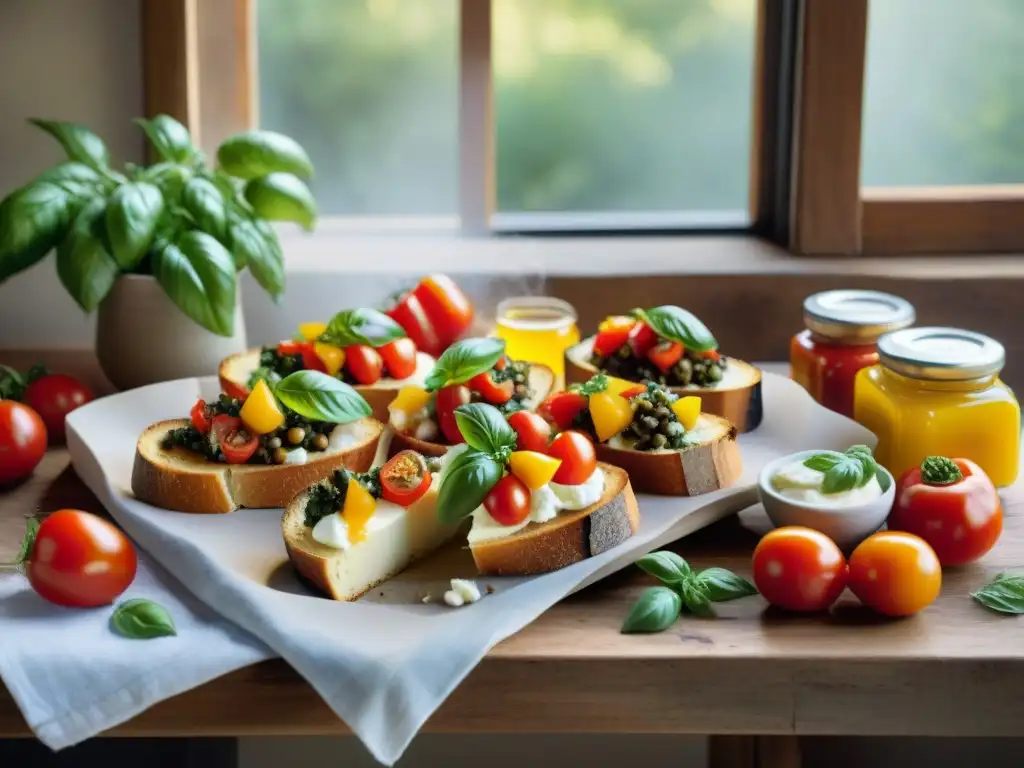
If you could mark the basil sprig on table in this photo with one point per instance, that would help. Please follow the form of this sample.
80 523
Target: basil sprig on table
682 588
844 471
1005 594
473 473
361 326
142 619
320 397
463 360
676 324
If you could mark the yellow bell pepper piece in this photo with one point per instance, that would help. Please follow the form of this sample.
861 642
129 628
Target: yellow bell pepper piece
617 386
312 331
687 410
533 468
331 356
359 508
611 414
410 399
260 412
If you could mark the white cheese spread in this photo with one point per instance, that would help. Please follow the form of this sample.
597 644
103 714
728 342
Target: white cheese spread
463 591
296 456
800 483
332 530
345 436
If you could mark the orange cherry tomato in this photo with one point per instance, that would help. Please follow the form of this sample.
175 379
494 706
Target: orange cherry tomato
561 408
235 441
22 440
578 458
448 399
399 358
799 569
404 479
364 363
895 573
492 392
80 560
532 432
951 504
665 354
508 502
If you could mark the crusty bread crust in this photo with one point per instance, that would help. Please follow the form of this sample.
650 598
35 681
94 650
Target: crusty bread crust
541 380
184 481
234 372
739 405
702 468
569 538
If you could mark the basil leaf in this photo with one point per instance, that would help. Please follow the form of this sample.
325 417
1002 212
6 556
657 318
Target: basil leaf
282 197
485 429
362 326
258 249
823 462
863 449
33 220
467 480
199 276
12 383
868 467
320 397
204 202
132 215
667 567
463 360
846 474
721 585
677 324
696 599
169 138
1004 595
84 266
141 619
258 153
844 471
77 179
656 610
79 142
171 179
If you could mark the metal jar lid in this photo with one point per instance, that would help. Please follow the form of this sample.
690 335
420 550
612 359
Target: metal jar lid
941 354
856 316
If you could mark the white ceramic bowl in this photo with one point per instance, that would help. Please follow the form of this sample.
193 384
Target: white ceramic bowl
846 526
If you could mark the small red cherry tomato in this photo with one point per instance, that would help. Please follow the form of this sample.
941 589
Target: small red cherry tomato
612 333
237 443
310 359
201 417
364 363
665 354
799 569
561 408
532 432
495 394
448 399
399 358
642 338
290 347
951 504
22 440
508 502
404 479
53 397
578 458
80 560
895 573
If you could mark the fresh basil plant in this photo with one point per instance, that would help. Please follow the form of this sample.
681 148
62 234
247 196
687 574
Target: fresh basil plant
190 225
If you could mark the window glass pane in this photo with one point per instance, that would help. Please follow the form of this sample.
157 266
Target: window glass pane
370 88
944 93
624 105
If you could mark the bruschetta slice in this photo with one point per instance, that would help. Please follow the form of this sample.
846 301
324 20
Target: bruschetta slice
671 347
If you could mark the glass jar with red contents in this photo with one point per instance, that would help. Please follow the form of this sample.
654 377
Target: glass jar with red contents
841 337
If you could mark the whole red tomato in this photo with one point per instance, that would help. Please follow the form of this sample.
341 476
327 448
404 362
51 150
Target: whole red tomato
578 458
951 504
80 560
508 502
53 397
895 573
22 440
532 432
799 569
448 399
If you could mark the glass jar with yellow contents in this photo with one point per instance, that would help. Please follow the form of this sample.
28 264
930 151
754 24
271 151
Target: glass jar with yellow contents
936 392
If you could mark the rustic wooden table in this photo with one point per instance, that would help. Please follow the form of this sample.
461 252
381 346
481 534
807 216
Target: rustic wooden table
754 677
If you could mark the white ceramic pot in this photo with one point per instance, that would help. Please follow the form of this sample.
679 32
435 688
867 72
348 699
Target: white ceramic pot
142 337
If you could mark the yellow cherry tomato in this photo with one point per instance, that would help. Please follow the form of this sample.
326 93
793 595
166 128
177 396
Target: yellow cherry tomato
312 331
533 468
260 412
611 414
410 399
687 410
895 573
331 356
359 508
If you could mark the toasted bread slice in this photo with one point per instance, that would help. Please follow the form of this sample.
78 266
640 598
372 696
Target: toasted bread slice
403 536
736 398
540 381
185 481
235 370
567 539
711 464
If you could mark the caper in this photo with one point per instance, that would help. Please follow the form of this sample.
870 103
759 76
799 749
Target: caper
715 373
280 456
273 443
674 429
320 443
650 422
661 412
659 441
296 435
